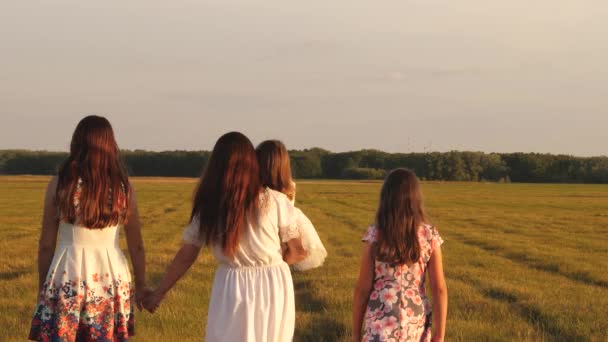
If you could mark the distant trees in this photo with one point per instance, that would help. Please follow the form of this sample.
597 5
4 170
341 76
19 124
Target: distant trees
307 163
363 173
364 164
167 163
30 162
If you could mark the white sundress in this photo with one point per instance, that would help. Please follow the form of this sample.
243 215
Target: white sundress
87 292
252 298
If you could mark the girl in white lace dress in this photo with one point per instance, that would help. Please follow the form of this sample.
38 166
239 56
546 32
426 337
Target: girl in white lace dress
252 298
85 287
275 170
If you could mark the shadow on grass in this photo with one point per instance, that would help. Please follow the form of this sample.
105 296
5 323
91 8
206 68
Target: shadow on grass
305 300
344 219
155 277
10 275
321 328
539 265
529 313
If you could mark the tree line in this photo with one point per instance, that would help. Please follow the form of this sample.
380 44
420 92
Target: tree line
363 164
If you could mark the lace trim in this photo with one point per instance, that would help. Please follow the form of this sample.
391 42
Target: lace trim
290 232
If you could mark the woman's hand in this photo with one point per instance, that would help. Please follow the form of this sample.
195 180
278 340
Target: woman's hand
182 261
140 294
294 252
152 300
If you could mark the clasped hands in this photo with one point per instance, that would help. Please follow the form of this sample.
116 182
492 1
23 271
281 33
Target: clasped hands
148 299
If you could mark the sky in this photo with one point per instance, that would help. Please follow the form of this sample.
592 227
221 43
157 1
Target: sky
399 76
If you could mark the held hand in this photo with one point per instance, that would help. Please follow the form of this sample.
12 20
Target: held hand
140 294
152 301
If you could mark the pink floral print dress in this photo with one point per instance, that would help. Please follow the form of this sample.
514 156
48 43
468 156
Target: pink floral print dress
398 309
87 292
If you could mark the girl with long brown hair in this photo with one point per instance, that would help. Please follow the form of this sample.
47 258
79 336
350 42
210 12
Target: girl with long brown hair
390 300
244 223
85 287
275 172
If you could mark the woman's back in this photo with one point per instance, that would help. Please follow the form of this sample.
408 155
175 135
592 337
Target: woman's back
252 297
260 242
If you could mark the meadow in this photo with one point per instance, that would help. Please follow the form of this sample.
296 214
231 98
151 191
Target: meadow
525 262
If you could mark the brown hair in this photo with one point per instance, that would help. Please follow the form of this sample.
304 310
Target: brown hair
275 168
228 192
399 216
95 174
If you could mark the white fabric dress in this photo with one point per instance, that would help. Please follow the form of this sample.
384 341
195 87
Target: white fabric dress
310 241
87 292
252 299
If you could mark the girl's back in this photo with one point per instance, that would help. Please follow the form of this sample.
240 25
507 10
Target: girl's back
84 278
400 249
398 307
87 289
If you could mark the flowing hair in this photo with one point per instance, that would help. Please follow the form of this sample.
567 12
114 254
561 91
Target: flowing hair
399 216
228 192
275 168
92 188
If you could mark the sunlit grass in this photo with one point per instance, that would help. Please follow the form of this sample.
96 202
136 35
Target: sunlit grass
523 262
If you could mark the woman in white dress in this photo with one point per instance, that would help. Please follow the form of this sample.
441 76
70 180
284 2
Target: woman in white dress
85 288
244 223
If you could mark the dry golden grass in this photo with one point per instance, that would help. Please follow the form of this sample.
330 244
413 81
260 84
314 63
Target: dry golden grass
523 262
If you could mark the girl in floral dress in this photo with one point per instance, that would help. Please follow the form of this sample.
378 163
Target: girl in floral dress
85 287
275 171
390 300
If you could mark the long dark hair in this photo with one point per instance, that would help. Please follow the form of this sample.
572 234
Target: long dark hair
228 192
399 216
93 186
275 168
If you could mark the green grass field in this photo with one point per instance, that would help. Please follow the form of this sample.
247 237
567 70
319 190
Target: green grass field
523 262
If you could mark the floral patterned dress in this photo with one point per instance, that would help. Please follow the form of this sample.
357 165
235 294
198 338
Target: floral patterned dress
398 309
87 292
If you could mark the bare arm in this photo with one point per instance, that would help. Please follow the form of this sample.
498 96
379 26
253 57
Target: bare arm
294 252
136 247
48 235
440 295
183 260
362 290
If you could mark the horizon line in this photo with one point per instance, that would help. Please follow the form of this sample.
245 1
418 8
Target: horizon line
333 152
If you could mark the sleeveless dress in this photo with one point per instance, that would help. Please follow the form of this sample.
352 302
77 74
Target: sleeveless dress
87 292
398 309
252 298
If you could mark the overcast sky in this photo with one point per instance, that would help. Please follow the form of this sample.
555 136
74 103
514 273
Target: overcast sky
406 75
